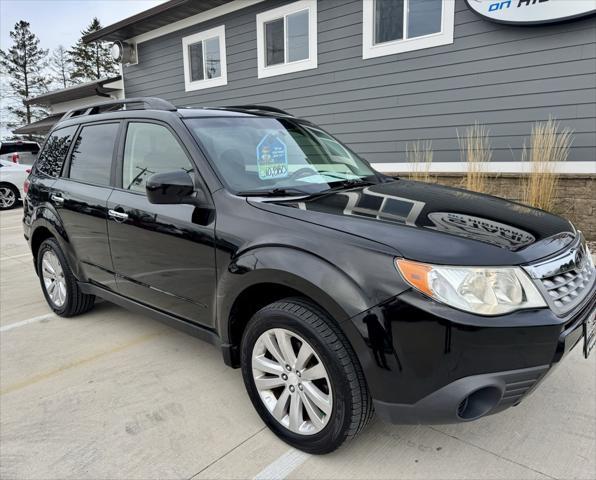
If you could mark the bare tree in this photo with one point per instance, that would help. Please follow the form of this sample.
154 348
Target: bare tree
61 67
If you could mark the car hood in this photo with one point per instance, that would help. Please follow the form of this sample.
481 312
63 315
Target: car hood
435 224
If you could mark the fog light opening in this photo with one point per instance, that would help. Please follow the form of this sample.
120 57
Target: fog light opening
478 403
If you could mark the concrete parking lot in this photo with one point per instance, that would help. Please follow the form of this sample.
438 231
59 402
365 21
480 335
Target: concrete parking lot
115 395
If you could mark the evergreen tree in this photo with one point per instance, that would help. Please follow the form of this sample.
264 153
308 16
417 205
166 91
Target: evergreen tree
91 61
23 64
61 67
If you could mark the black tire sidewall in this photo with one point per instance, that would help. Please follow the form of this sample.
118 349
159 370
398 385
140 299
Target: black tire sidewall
334 432
52 245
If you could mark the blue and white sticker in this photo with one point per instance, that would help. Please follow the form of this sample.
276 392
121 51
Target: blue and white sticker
272 158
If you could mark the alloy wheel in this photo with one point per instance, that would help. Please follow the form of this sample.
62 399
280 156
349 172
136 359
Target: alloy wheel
292 381
7 197
53 278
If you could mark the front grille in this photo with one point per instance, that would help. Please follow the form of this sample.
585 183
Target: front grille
567 279
567 289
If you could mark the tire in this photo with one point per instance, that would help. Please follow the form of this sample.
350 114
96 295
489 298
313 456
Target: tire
9 196
72 302
343 386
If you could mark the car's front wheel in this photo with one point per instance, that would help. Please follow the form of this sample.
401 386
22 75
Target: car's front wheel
303 376
9 196
58 283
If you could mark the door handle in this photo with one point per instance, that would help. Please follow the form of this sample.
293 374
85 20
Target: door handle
118 216
57 199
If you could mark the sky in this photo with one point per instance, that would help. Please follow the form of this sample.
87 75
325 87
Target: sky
59 22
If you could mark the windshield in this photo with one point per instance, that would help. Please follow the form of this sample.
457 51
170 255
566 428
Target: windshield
255 153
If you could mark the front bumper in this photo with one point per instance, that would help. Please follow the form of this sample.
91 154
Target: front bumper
427 363
465 399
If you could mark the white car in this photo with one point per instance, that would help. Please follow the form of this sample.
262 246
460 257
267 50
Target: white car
12 178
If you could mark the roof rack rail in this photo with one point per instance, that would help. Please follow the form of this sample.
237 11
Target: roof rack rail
261 108
145 103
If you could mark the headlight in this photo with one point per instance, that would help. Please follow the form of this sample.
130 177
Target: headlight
481 290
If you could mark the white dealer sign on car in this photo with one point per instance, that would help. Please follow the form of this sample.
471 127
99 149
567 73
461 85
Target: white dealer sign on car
532 11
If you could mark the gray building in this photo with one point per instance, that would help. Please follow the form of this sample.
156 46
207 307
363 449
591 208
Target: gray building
379 74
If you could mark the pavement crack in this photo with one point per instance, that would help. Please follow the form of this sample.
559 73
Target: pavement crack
491 452
194 476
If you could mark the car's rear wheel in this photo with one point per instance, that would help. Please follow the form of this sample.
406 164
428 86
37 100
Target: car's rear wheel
303 376
9 196
58 282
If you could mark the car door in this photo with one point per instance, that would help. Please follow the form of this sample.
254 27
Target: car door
80 197
163 255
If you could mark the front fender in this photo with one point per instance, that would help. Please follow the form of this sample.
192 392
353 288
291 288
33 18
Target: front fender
302 271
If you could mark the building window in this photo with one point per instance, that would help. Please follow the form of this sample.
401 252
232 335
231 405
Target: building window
396 26
287 39
204 57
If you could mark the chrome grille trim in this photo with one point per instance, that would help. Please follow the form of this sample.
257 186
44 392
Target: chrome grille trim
566 280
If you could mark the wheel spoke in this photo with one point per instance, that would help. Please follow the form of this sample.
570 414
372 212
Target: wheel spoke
61 292
319 398
273 348
279 412
267 383
47 267
296 419
263 364
314 373
304 355
312 411
285 345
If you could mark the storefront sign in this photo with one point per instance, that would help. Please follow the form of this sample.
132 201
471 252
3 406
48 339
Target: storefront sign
532 11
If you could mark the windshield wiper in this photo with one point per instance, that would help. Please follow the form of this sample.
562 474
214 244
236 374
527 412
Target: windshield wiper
274 192
349 183
293 192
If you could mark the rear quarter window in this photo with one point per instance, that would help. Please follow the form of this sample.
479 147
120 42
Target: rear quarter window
51 159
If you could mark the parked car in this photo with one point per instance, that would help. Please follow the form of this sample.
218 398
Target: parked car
12 179
19 151
336 289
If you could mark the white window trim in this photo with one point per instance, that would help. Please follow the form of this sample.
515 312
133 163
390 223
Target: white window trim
370 50
220 33
282 12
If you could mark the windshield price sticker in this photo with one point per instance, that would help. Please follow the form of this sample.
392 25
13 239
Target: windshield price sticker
272 158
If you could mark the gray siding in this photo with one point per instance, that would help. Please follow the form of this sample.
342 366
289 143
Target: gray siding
503 76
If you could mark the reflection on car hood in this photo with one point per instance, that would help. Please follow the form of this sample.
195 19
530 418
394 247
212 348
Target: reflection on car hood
436 224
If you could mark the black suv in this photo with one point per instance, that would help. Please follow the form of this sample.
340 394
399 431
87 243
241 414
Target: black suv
337 290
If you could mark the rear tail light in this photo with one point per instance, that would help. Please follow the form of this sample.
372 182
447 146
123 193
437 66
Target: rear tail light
15 157
26 183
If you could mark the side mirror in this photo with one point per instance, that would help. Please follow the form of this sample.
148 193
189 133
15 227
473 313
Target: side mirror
174 187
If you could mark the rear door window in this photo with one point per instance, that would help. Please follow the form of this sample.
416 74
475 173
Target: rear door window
51 160
91 157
